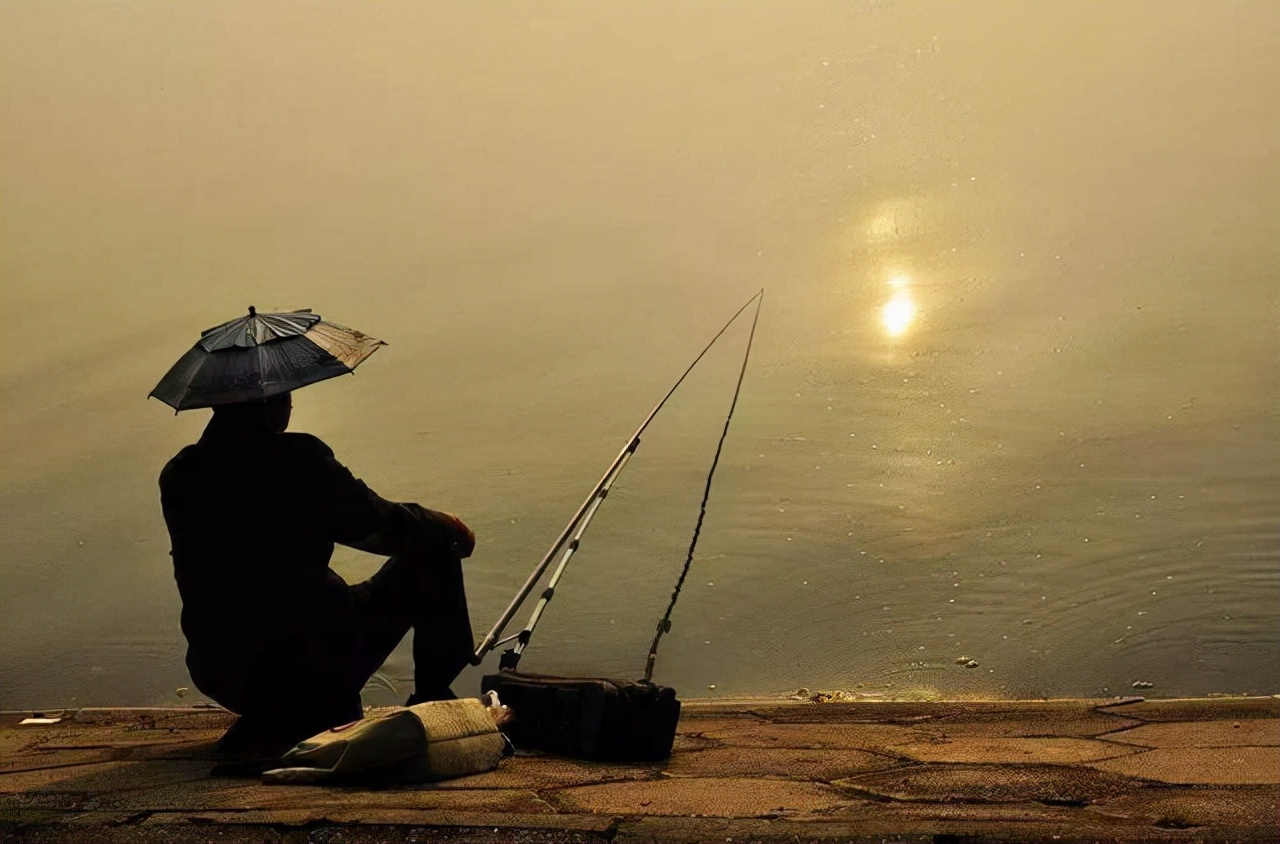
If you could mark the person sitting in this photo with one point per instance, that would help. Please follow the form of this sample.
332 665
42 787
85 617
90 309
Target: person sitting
273 633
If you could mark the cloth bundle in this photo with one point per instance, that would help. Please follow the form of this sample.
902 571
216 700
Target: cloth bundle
421 743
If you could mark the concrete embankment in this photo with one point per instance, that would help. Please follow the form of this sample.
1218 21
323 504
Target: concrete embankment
756 770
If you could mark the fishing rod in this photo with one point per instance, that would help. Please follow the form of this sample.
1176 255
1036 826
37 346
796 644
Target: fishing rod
569 540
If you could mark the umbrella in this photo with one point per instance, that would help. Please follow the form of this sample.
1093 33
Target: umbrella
261 355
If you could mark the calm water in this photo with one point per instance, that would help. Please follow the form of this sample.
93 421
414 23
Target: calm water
1013 396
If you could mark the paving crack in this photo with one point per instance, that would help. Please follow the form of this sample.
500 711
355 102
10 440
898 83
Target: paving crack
1124 701
133 819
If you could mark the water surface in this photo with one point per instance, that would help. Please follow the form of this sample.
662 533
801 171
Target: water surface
1013 396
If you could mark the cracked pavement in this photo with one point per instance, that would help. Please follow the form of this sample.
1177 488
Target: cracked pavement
750 770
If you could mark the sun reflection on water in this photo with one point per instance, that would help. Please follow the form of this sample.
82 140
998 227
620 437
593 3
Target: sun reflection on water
900 311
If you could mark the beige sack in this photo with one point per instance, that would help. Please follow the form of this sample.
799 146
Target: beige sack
422 743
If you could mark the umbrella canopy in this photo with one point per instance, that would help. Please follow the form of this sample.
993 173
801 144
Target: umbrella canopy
261 355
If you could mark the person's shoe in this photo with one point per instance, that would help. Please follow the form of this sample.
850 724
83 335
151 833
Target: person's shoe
251 746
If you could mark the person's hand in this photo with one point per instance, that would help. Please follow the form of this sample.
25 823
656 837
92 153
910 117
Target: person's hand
465 540
442 529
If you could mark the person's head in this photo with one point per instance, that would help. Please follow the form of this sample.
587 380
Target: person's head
271 413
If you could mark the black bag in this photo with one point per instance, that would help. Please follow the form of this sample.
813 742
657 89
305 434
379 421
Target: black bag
588 717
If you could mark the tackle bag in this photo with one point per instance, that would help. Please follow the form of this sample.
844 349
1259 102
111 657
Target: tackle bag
588 717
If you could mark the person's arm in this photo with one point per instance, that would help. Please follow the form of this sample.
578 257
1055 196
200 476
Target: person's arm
358 517
414 521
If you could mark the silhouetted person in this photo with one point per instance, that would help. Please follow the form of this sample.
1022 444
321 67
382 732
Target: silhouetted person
273 633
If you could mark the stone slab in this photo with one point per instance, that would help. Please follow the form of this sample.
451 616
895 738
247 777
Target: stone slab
65 803
1198 709
1208 766
176 717
1056 721
39 757
243 795
1017 751
1027 814
38 760
692 731
1246 732
982 784
690 741
320 833
14 738
103 777
868 712
907 824
21 815
695 724
202 749
1194 807
869 736
73 736
800 764
355 816
705 797
907 712
539 771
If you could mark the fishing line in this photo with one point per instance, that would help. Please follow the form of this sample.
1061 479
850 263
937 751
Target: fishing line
568 542
665 624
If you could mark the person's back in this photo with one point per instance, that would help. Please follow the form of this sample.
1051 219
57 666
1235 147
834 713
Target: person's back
252 524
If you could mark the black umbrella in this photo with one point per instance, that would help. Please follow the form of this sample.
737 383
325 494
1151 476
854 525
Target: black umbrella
261 355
